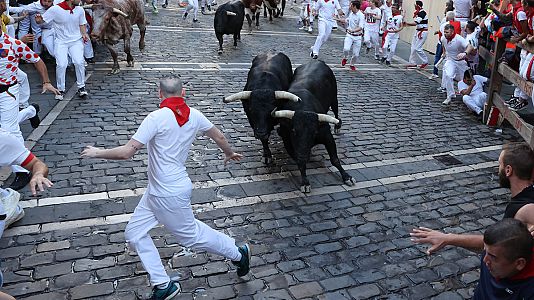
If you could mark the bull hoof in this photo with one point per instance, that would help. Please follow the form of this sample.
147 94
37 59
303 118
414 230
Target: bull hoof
114 71
235 47
130 64
305 188
258 27
349 181
267 160
337 130
219 51
271 21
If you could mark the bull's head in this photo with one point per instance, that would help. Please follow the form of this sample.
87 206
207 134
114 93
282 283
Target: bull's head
304 126
102 16
258 105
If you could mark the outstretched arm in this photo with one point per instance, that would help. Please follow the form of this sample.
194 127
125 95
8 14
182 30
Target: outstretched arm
39 175
215 134
438 240
118 153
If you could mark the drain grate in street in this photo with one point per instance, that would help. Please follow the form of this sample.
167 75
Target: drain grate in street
448 160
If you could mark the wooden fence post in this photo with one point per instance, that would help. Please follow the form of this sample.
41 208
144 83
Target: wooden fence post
495 83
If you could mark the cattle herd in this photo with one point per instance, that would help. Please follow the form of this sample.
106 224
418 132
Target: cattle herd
273 95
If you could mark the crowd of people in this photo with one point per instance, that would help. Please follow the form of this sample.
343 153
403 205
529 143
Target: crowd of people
507 264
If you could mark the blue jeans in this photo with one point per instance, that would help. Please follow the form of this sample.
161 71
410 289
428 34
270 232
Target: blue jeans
439 52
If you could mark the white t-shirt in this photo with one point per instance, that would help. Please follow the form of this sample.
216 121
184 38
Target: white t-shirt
372 21
386 14
65 24
394 23
168 146
462 8
327 9
356 20
456 46
477 89
12 151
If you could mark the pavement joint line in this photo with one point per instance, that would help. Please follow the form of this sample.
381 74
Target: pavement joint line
237 202
385 69
258 178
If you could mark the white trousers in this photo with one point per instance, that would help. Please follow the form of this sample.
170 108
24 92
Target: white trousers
192 5
390 45
26 113
325 28
176 215
372 40
523 69
452 70
417 54
9 116
475 102
48 40
24 91
354 43
62 53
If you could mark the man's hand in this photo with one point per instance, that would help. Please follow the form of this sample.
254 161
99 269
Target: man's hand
24 14
48 87
423 235
39 18
461 56
27 38
86 38
39 181
233 156
90 151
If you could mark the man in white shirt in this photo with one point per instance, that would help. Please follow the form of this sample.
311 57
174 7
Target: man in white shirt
68 20
455 49
325 9
168 133
394 25
353 39
472 31
462 12
386 13
472 90
371 35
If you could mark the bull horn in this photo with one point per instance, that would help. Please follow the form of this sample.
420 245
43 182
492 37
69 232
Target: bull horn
88 6
120 12
327 118
283 114
231 13
286 96
244 95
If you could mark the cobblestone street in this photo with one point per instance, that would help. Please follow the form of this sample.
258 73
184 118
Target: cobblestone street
415 162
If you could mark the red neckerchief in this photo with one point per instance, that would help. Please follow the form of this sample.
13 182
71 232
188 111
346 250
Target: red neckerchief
179 108
396 14
452 37
65 6
527 272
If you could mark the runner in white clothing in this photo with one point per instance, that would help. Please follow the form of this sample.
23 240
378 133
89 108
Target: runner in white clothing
472 90
394 25
325 9
68 20
168 133
353 39
462 12
371 36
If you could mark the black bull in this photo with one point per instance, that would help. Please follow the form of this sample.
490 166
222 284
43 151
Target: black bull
305 124
268 79
229 20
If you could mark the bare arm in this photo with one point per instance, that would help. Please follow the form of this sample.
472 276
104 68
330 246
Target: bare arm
43 72
39 175
118 153
216 135
438 240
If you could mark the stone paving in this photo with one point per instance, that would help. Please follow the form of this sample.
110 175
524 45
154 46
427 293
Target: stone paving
416 163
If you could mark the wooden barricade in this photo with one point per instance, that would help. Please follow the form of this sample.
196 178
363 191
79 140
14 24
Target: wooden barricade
499 72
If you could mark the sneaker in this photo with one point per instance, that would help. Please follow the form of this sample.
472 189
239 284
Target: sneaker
243 266
21 180
10 202
343 62
164 5
353 68
168 293
519 105
195 21
377 57
433 76
303 28
82 92
442 90
90 60
314 56
513 100
209 7
423 66
35 121
447 100
388 63
155 10
383 60
60 95
16 215
310 29
185 15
